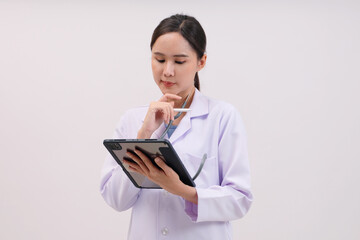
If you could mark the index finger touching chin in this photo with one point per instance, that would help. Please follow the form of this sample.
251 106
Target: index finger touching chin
170 96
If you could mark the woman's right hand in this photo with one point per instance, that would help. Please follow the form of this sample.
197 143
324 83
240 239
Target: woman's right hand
158 112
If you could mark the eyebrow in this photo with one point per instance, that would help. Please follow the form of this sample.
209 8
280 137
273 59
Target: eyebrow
176 55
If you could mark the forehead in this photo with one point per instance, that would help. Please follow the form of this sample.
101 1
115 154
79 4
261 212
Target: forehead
172 44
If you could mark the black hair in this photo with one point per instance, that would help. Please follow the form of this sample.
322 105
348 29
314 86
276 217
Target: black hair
189 28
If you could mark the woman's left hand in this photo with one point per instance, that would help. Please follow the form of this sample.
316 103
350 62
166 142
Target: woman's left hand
162 175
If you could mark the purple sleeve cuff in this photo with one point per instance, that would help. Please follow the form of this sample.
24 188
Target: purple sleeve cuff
191 210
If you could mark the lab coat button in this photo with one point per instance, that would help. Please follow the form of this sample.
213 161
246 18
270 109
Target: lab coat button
164 231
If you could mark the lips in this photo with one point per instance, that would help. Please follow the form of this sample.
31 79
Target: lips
168 84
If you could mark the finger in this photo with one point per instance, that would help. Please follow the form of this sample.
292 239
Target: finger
139 162
130 164
157 107
164 112
131 169
160 162
150 166
167 114
134 167
172 113
168 96
137 170
172 110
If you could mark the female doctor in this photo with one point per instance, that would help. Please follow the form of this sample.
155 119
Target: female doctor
214 128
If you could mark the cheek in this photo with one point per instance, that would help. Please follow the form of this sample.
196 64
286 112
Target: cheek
156 69
189 72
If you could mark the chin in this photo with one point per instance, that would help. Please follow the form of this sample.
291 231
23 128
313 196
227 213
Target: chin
168 90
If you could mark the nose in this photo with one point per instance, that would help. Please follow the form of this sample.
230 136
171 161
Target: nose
169 70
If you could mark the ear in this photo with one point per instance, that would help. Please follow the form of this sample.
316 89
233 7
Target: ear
202 62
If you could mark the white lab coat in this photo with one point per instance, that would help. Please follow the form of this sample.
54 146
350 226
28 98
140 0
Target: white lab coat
223 186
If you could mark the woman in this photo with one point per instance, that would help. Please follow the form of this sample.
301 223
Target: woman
222 191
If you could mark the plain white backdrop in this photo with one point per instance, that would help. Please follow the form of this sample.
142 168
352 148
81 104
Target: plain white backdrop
69 69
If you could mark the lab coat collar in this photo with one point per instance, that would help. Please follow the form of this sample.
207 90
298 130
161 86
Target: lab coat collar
199 106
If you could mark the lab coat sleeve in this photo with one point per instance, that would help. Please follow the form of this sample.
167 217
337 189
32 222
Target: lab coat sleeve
232 198
115 187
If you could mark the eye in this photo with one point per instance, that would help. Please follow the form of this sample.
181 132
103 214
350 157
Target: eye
179 62
160 60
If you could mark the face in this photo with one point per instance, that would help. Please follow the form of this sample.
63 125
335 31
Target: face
174 64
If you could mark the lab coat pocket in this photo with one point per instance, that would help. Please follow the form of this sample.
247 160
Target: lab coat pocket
208 175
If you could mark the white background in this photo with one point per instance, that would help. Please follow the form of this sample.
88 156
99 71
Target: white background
69 69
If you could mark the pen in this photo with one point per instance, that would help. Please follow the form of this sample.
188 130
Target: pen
182 109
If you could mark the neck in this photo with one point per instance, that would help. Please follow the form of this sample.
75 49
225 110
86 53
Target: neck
184 95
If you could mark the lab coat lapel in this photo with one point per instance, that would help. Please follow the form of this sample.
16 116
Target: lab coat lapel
182 128
199 107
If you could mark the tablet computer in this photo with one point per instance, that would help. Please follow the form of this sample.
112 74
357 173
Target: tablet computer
152 148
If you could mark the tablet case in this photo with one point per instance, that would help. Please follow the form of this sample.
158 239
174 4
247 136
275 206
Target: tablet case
152 148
